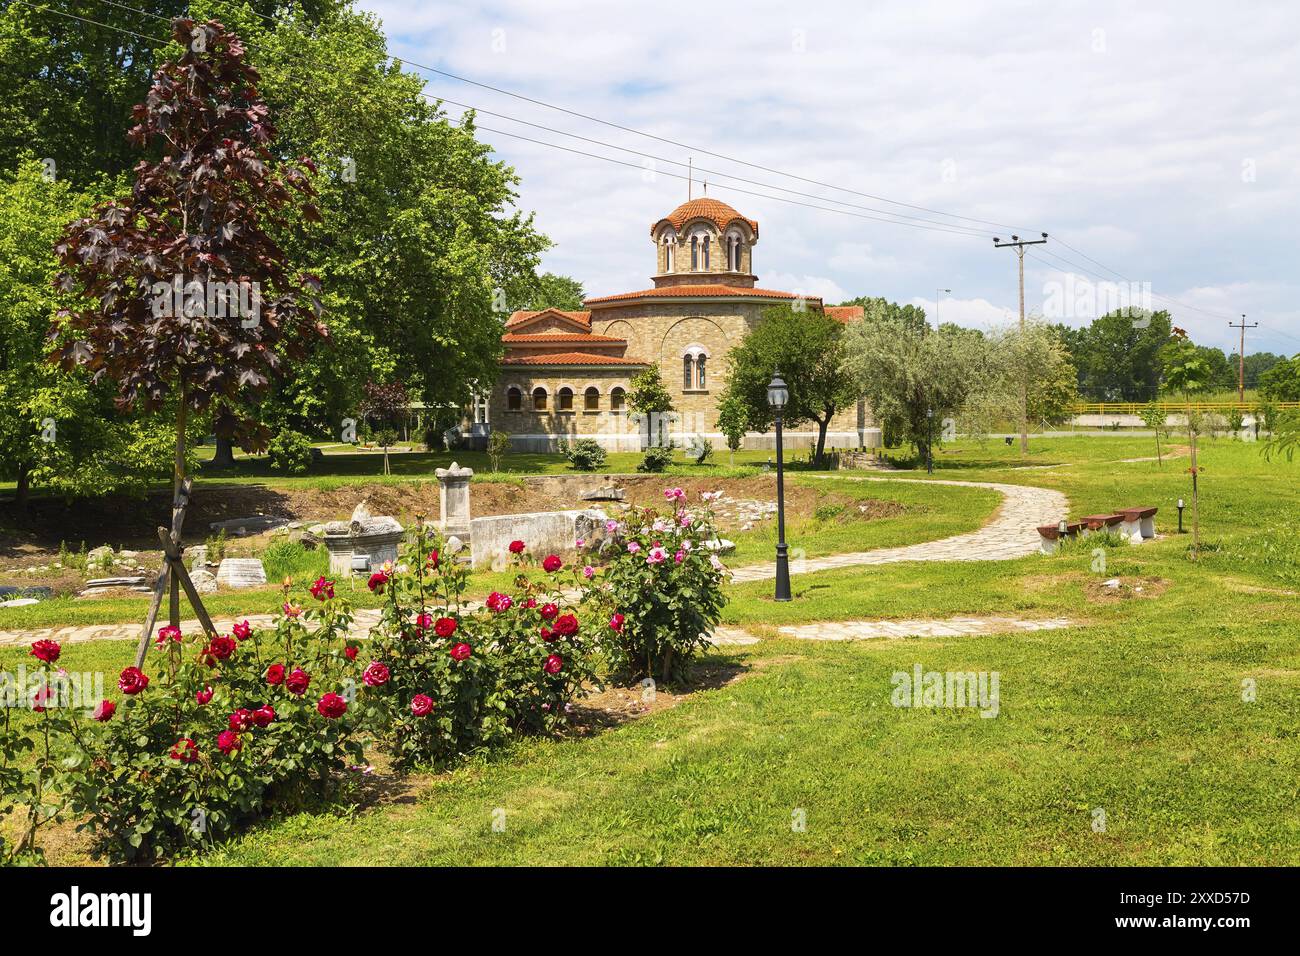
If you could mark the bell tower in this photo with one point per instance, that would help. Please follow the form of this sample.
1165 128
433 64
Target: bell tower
704 242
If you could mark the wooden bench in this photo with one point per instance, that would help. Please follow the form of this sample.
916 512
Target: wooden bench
1108 522
1051 535
1139 523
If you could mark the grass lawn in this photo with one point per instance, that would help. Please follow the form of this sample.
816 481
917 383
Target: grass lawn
1138 712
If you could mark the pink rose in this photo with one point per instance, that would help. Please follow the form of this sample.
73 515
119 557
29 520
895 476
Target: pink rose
657 555
589 572
169 633
421 705
680 556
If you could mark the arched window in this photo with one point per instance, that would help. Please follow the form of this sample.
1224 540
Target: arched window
695 253
687 366
733 254
706 253
668 253
617 399
539 399
566 399
591 399
699 370
514 399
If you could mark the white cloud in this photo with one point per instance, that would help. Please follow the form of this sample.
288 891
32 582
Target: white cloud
1161 140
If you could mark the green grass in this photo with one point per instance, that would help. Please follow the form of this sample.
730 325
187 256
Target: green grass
1139 712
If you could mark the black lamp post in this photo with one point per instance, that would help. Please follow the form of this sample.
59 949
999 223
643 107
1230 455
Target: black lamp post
929 441
777 397
1181 506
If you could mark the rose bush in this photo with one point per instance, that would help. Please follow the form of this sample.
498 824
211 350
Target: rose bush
448 680
659 595
211 733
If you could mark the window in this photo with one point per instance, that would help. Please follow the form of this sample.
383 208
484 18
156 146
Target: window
695 253
699 371
514 399
733 254
566 399
668 254
539 399
687 363
591 399
616 399
706 253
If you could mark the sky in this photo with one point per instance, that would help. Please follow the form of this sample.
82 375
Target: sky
1158 146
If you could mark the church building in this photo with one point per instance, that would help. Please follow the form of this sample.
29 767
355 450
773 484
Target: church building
566 374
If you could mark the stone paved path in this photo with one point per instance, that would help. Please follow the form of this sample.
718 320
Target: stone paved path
1012 533
949 627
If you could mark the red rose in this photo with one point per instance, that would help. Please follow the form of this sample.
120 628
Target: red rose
264 715
332 706
242 631
445 626
185 751
530 603
432 560
551 563
376 675
461 651
377 582
350 652
322 589
498 602
616 623
297 682
43 695
228 742
554 664
275 674
549 611
218 649
104 711
566 625
241 719
547 634
203 696
424 621
132 681
421 705
47 651
516 547
169 633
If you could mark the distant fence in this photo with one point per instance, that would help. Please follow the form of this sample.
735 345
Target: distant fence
1135 408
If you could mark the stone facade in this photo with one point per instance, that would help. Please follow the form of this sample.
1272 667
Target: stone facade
566 374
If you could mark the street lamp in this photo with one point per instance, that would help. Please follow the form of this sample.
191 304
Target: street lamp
929 441
1181 506
777 397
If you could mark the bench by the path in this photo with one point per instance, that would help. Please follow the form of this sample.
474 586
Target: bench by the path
1136 524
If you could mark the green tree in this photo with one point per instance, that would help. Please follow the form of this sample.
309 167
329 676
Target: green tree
807 347
555 292
1118 354
733 422
1188 372
1156 419
913 380
648 397
1281 383
877 309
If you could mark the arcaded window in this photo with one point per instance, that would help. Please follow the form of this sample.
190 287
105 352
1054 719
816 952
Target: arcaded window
566 400
617 399
668 254
514 399
699 372
591 399
539 399
687 368
695 253
706 253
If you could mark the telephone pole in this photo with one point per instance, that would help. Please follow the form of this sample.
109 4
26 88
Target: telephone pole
1019 245
1241 356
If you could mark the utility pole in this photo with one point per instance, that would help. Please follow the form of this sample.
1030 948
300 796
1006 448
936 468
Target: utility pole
937 294
1019 245
1241 356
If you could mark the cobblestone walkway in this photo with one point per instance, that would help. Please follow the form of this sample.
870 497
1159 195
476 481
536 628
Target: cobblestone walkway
1012 533
950 627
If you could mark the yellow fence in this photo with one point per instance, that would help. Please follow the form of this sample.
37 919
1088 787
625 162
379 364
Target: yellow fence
1135 408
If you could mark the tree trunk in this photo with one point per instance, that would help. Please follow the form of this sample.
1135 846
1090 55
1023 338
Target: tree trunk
179 470
23 488
821 437
225 453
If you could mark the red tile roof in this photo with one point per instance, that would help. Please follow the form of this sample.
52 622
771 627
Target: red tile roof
699 292
519 318
846 313
571 358
548 338
719 213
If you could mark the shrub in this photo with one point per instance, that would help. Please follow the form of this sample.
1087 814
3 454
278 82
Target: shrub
661 593
290 452
456 681
700 450
228 729
585 454
656 458
285 558
498 446
386 437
